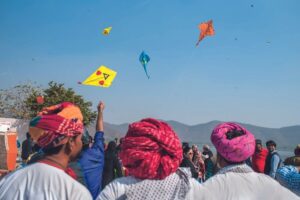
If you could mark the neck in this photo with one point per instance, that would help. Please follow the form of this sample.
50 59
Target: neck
60 160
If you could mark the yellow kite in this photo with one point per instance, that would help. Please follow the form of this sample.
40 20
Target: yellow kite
107 30
102 77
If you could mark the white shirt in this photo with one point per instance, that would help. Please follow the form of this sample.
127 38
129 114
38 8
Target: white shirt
41 181
117 189
245 186
226 185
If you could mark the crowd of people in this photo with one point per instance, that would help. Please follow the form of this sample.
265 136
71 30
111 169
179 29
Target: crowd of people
150 162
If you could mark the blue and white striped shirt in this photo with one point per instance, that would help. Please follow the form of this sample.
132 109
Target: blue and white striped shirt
289 177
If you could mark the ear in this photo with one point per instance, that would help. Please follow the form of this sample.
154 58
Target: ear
69 146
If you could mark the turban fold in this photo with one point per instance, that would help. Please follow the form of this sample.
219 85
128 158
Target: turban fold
151 150
55 123
233 142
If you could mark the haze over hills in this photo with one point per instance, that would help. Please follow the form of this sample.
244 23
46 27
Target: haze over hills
286 137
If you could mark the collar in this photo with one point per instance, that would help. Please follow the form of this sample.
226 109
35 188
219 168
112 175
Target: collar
239 168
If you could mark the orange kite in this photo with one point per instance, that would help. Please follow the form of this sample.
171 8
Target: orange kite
206 29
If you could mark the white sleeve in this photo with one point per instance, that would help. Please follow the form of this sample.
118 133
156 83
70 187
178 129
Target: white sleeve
114 190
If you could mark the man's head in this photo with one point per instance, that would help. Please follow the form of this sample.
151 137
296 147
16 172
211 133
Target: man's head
297 150
27 136
151 149
234 143
258 145
271 145
188 153
194 148
206 147
58 129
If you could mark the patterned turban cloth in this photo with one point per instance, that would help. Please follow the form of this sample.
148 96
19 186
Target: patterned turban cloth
53 124
233 142
151 150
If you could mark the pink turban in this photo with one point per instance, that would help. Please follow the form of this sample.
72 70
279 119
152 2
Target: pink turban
231 147
151 150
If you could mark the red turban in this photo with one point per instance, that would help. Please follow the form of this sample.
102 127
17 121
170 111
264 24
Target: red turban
151 150
55 123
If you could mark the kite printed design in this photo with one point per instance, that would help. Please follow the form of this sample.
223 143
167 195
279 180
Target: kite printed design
144 59
206 29
102 77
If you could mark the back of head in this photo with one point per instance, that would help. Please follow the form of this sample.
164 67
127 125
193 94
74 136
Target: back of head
111 147
233 142
258 141
27 136
151 149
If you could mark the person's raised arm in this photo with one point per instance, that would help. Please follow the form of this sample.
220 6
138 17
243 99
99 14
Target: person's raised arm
92 159
99 123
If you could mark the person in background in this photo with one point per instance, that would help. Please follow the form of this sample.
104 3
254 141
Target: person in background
207 151
208 161
198 163
26 148
259 157
57 130
112 166
273 159
294 160
187 161
236 180
289 175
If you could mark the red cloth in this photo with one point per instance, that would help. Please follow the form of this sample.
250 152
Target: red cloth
56 122
151 150
259 160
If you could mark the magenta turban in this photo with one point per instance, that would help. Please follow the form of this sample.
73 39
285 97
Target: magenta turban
233 142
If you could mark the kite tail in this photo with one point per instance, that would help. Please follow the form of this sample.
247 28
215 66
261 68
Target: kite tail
146 71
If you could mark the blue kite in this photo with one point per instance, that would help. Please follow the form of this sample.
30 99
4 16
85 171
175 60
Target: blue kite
144 59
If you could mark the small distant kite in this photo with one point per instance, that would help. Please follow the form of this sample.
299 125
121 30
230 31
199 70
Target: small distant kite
206 29
144 59
40 99
102 77
107 30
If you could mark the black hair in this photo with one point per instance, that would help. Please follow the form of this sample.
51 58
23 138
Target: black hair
234 133
185 144
186 149
52 150
112 146
270 142
258 141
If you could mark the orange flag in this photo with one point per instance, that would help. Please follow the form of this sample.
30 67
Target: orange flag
206 29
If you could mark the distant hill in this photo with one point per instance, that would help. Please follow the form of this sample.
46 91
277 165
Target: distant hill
286 137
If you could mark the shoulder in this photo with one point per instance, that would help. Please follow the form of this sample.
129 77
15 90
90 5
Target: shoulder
117 188
287 171
37 178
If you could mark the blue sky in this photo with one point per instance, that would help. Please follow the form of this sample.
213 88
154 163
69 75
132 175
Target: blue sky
248 72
